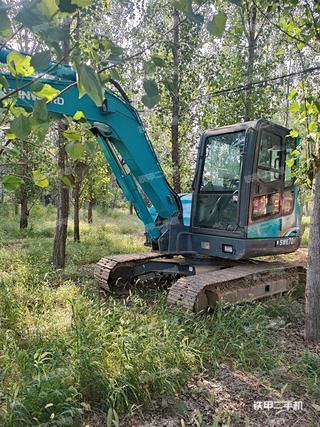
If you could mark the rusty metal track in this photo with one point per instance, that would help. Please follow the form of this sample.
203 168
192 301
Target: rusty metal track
107 268
232 282
236 284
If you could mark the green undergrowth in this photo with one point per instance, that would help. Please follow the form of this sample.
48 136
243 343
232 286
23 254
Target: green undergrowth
66 351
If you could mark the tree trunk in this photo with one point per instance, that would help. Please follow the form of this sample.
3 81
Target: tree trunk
23 193
61 232
312 326
76 212
175 149
252 41
60 237
90 213
131 209
24 212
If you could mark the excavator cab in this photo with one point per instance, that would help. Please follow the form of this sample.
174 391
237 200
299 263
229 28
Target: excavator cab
244 201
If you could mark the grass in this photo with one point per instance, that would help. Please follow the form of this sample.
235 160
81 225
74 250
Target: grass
66 352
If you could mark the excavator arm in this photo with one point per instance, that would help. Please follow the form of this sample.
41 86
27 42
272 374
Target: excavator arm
122 138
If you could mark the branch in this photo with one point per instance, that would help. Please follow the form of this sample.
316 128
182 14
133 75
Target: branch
6 144
12 37
284 31
240 88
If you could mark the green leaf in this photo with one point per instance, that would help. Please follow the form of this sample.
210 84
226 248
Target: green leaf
38 16
79 116
48 92
312 127
150 101
5 25
159 62
40 180
67 6
182 5
30 17
89 83
41 59
149 67
18 111
294 107
72 135
47 8
4 82
115 75
56 34
81 169
151 88
81 3
21 127
236 2
68 180
280 52
11 182
40 111
19 65
37 86
10 135
169 85
293 93
90 148
197 18
75 150
217 26
294 133
290 163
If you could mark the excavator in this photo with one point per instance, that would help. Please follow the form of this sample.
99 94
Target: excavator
206 244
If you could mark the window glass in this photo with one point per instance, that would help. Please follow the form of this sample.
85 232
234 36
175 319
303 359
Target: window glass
269 157
223 161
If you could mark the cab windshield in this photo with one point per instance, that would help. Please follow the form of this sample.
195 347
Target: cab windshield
221 170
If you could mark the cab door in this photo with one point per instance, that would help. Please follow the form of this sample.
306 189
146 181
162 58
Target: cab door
267 183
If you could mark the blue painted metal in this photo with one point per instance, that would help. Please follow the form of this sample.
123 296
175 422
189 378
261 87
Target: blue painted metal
285 226
186 201
128 142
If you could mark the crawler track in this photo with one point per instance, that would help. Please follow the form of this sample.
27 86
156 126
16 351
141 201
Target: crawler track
112 272
213 279
234 285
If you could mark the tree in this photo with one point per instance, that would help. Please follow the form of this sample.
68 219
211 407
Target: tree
96 184
304 30
61 231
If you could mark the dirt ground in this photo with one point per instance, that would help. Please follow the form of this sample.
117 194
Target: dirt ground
231 397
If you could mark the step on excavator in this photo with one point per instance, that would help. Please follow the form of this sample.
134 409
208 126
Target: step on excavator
243 205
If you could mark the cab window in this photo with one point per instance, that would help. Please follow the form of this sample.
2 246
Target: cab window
269 157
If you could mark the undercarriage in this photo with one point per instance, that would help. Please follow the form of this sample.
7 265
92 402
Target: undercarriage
199 283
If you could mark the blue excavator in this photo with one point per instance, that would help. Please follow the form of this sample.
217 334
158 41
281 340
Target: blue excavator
243 205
